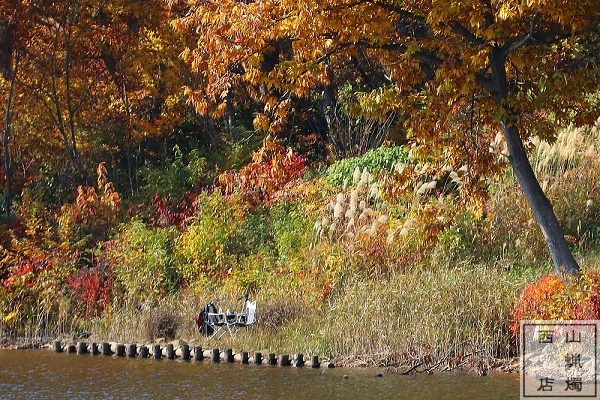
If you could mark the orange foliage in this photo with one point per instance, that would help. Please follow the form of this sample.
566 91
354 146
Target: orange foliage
94 211
437 56
89 203
550 298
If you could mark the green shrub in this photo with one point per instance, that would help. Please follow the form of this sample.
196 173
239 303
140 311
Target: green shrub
145 262
176 178
223 235
382 159
238 152
457 243
51 187
253 234
292 230
205 245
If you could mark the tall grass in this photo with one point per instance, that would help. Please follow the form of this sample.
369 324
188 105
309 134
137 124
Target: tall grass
569 173
378 321
423 311
168 318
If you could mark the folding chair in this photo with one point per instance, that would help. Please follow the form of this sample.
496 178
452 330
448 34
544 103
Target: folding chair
244 319
210 322
219 321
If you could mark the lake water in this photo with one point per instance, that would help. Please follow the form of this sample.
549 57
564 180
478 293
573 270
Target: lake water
42 374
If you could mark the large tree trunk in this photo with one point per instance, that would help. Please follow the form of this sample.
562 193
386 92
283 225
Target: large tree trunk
564 262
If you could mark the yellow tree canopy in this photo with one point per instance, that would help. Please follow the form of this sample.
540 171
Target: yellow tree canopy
435 56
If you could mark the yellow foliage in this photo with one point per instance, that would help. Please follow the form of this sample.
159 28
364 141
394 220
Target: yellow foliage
437 57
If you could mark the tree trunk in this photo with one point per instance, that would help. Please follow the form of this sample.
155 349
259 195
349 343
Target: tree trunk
68 43
128 140
6 141
564 262
230 115
337 124
70 113
59 121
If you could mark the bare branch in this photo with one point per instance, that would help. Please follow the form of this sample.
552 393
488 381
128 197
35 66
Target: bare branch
517 42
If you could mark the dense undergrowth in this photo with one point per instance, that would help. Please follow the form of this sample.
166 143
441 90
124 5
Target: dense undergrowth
376 260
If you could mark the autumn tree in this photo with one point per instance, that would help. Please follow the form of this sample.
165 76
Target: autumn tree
138 52
94 80
59 71
13 17
459 71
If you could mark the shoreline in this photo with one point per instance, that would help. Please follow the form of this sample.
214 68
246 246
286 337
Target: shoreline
470 365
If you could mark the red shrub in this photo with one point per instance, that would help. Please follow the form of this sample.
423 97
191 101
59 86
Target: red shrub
551 299
272 167
169 213
26 272
93 288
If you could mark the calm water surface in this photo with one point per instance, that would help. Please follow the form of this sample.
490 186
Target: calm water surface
41 374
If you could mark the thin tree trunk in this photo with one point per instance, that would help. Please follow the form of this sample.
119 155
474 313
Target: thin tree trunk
128 139
60 123
229 114
6 141
54 96
564 262
70 113
68 44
